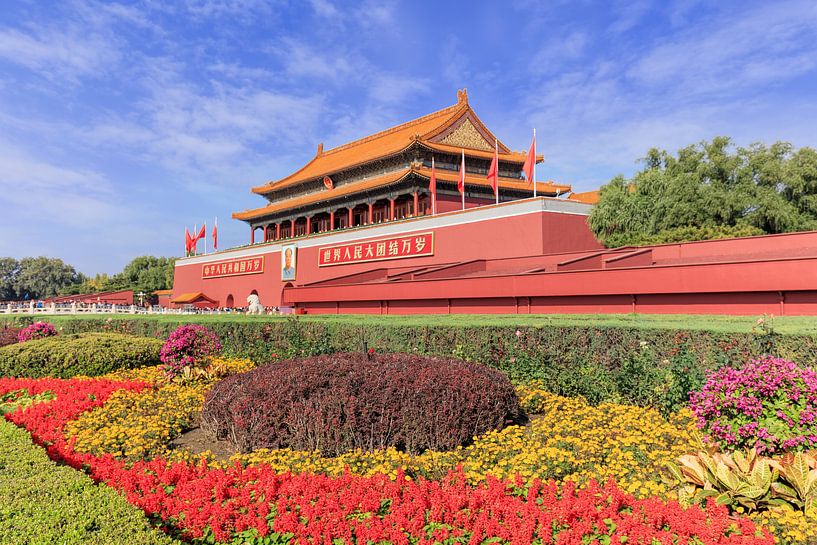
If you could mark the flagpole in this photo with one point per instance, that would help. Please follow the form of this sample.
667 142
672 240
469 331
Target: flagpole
463 179
196 243
205 238
534 162
496 180
434 192
215 239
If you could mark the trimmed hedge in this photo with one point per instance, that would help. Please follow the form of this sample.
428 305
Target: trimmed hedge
346 401
66 356
649 367
42 502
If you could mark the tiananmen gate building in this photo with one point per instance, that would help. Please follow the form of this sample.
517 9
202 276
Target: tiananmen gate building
358 229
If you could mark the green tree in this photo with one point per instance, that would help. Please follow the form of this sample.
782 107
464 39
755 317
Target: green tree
9 268
40 277
146 274
710 190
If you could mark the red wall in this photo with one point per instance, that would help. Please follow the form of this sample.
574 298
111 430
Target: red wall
509 237
533 263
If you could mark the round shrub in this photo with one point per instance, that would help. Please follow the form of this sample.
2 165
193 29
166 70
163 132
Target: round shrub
188 346
769 404
66 356
37 330
344 401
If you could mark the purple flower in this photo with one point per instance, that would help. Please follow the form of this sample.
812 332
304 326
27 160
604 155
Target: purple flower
37 330
771 403
187 346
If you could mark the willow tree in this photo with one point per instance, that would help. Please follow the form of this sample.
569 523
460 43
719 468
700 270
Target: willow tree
709 190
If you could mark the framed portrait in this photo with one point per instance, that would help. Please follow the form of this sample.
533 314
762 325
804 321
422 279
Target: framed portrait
289 262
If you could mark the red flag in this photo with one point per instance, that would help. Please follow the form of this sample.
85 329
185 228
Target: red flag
493 170
194 241
530 160
215 236
432 187
188 241
202 232
327 181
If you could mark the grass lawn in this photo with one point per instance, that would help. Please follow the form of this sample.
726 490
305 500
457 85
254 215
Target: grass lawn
789 325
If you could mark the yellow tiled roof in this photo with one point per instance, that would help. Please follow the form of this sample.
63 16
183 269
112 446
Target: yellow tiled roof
543 188
587 197
390 142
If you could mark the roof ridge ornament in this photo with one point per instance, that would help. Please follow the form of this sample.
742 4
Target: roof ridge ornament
320 149
462 96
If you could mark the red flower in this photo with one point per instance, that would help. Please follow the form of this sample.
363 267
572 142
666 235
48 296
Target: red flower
316 509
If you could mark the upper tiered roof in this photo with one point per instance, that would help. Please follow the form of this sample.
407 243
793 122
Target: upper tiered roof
448 130
544 188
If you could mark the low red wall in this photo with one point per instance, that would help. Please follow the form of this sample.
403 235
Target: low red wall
509 237
526 259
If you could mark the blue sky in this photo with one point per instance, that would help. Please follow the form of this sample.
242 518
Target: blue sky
122 123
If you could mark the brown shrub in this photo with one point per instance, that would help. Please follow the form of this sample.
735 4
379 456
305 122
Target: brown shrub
344 401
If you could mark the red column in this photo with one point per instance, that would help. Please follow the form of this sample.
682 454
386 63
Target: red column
391 209
371 213
308 225
351 218
332 220
416 204
252 235
292 228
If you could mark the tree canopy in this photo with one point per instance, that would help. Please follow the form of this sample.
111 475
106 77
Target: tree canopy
35 277
42 277
710 190
144 274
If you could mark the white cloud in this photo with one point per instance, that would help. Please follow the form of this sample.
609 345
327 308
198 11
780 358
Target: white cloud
395 89
738 49
325 8
558 50
331 65
65 53
46 190
628 13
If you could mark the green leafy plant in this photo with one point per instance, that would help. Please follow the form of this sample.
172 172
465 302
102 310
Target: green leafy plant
798 484
746 479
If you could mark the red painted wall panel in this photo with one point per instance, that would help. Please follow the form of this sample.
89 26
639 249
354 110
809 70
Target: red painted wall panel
492 262
524 235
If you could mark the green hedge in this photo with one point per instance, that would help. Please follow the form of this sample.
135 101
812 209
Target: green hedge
68 355
646 366
44 503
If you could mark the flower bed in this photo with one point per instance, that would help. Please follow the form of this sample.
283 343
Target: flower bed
135 425
198 500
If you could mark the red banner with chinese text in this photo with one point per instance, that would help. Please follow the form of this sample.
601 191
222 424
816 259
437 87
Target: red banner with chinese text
377 250
233 267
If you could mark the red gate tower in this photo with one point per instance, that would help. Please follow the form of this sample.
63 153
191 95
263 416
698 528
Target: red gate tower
354 231
385 177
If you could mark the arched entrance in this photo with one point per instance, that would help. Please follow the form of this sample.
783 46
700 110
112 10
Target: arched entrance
230 302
